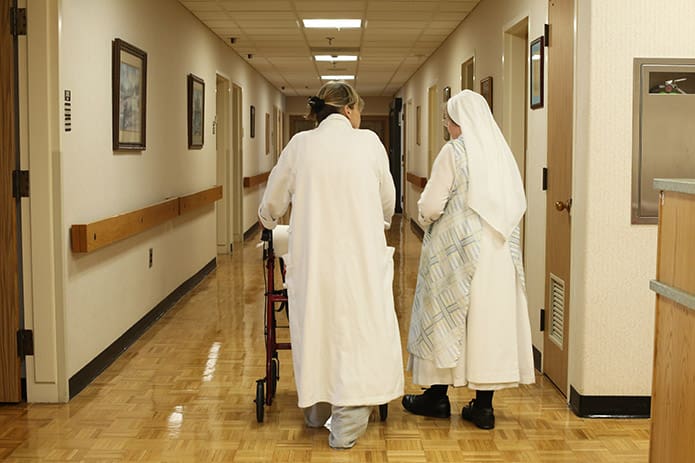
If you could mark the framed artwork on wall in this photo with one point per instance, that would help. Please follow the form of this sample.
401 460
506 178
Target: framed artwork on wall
129 96
486 90
252 121
536 80
196 111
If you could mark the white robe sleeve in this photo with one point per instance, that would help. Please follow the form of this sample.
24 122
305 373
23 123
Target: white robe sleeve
277 196
387 189
438 189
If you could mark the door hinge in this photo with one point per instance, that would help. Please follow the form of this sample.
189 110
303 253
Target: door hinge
18 21
25 343
542 320
20 184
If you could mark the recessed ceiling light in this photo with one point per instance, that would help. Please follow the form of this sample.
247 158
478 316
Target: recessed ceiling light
332 58
332 23
345 77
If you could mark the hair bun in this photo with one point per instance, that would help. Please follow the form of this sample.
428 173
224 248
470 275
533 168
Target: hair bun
316 103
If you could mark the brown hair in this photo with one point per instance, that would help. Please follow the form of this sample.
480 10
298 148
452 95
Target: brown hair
331 98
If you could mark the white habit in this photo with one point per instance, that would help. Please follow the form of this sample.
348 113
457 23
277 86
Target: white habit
470 323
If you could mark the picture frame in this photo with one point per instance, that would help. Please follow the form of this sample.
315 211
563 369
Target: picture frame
536 55
486 90
129 96
418 118
196 111
252 122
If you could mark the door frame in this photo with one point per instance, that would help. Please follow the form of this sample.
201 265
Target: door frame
515 112
236 165
434 124
222 125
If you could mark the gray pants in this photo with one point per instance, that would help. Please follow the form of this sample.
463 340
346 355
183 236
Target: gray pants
347 423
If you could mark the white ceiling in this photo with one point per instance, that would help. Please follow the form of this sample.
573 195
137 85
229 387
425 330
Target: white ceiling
396 38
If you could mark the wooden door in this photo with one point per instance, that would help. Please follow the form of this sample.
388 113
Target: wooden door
10 365
380 126
560 119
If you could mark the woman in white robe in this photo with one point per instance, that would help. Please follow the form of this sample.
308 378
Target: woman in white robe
469 323
346 347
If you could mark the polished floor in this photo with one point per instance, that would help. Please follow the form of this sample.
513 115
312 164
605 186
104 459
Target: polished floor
184 393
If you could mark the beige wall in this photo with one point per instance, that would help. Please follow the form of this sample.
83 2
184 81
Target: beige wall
481 36
106 292
612 307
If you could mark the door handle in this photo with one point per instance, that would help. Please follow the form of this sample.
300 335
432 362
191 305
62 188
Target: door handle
560 206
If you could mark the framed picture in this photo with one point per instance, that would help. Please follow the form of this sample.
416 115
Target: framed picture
486 90
417 124
536 81
129 96
252 121
196 111
446 94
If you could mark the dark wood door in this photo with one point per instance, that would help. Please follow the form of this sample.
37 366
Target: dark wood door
10 390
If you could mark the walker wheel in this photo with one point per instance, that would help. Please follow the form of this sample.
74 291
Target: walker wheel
383 411
274 376
260 400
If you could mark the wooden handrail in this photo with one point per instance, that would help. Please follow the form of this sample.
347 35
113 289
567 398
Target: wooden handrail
256 180
95 235
416 180
196 200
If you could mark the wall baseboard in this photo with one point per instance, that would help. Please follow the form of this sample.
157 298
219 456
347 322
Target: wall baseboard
251 231
101 362
604 406
416 229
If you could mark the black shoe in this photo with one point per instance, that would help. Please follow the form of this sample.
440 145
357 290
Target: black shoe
484 418
426 405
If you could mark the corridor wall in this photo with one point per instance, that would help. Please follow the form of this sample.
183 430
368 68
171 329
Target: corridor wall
103 294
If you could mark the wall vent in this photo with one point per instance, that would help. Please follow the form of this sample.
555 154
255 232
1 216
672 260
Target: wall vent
557 310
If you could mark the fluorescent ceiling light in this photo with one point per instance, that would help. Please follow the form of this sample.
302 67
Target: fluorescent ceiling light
332 23
333 58
346 77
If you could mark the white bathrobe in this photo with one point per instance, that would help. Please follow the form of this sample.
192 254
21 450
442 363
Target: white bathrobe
345 341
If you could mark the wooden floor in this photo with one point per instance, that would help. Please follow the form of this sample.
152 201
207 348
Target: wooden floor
184 393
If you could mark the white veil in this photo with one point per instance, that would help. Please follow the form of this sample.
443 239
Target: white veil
495 189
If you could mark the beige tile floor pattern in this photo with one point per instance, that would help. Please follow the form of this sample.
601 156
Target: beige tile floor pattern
184 393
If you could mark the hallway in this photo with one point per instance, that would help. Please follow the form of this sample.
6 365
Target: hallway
184 393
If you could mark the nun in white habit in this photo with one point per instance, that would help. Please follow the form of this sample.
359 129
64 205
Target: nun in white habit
469 323
346 348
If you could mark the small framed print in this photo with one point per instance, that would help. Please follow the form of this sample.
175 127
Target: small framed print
196 111
536 80
129 96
